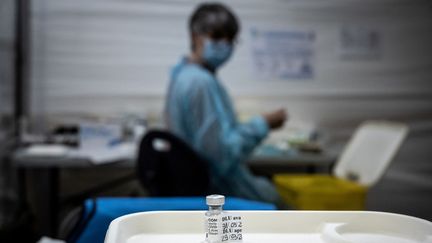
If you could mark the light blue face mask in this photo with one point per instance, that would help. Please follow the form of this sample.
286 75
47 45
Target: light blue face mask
215 53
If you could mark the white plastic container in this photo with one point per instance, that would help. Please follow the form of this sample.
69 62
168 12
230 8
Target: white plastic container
275 227
370 151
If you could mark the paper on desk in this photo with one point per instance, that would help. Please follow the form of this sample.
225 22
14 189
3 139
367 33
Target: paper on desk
103 155
46 239
47 150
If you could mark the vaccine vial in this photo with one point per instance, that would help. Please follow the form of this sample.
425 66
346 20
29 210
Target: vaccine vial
213 218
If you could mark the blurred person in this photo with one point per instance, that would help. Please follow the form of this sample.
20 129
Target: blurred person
199 110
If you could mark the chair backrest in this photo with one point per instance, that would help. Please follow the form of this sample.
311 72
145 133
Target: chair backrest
370 151
167 166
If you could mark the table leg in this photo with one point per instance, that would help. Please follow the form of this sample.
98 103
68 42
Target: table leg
22 189
44 183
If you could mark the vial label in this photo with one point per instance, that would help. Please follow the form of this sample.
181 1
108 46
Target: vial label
224 227
232 228
213 229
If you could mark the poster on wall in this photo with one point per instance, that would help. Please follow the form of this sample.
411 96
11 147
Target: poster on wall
283 54
359 42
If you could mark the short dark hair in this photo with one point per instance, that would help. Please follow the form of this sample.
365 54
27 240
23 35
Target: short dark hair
214 19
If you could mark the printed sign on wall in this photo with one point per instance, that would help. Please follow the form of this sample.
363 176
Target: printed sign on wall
283 54
357 42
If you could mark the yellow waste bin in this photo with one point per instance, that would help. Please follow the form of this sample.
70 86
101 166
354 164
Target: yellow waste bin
320 192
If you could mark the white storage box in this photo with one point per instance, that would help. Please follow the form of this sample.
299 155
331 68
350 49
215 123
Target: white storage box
275 227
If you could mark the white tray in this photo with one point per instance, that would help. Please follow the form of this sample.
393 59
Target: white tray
274 227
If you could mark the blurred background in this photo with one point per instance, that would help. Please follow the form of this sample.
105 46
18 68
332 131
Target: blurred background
64 63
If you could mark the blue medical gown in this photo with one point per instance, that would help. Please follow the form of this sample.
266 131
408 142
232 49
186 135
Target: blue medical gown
199 110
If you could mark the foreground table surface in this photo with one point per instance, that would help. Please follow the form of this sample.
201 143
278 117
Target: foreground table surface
276 226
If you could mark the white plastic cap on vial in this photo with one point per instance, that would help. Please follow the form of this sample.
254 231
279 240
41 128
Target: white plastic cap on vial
215 200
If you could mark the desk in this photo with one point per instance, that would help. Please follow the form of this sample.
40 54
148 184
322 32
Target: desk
46 171
42 175
269 161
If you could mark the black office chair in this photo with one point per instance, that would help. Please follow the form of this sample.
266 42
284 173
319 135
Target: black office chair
167 166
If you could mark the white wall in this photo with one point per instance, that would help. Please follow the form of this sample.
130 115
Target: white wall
110 56
104 57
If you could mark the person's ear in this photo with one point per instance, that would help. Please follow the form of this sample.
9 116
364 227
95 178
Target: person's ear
197 43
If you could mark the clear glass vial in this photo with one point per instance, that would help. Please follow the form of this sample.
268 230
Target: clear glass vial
215 203
213 219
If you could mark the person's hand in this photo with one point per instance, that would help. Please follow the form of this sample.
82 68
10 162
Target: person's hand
276 118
